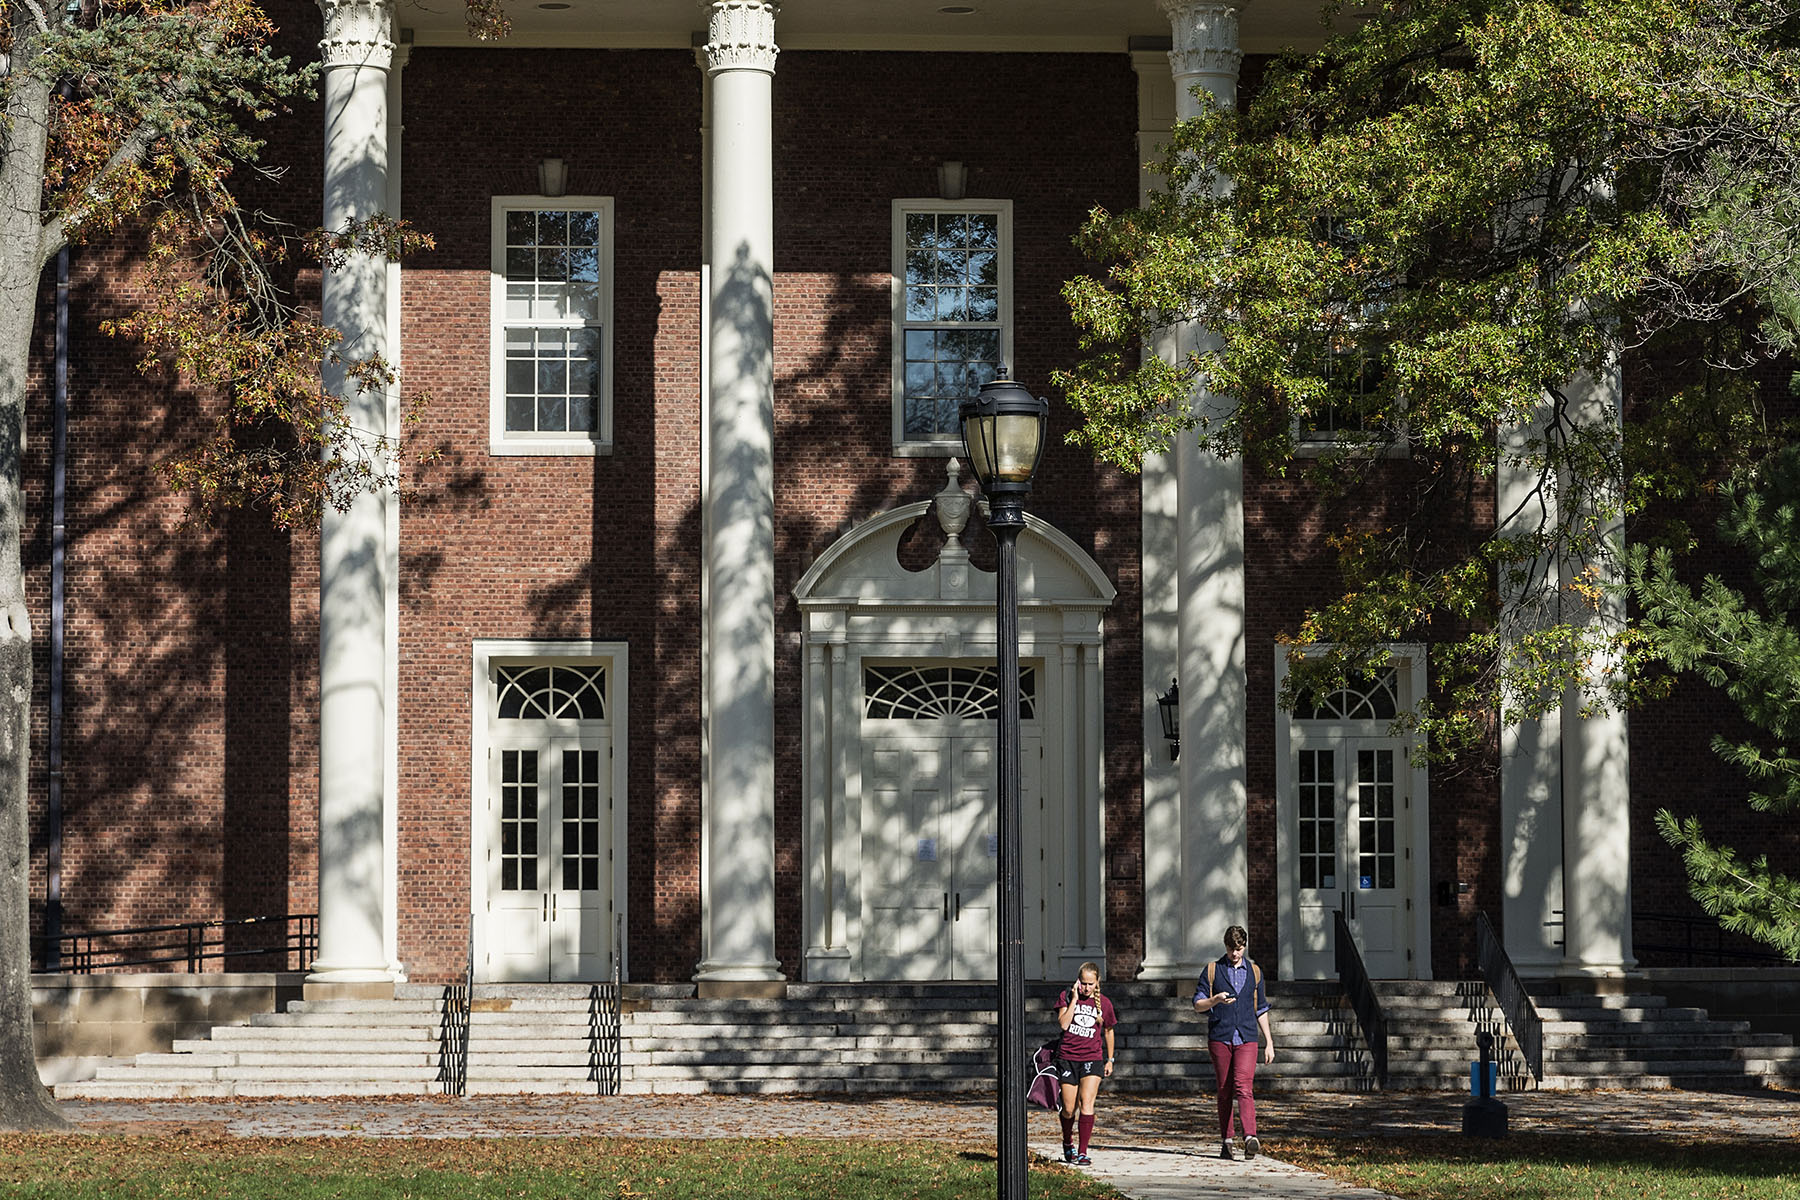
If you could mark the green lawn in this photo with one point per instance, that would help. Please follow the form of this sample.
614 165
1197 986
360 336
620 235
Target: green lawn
209 1167
1557 1167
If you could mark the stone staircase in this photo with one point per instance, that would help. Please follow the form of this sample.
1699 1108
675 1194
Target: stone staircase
1639 1040
913 1038
820 1038
1431 1033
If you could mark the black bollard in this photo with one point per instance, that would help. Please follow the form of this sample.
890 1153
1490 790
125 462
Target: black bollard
1483 1115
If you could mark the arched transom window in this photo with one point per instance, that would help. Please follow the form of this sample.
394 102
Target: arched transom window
1362 698
551 693
909 693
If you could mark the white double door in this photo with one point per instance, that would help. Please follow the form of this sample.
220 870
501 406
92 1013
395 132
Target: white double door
549 860
930 853
1352 811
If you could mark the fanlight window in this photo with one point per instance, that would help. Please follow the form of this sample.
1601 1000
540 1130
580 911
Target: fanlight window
902 693
552 693
1362 698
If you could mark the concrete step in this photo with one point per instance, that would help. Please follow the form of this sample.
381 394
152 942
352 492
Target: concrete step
369 1022
1663 1015
1650 1028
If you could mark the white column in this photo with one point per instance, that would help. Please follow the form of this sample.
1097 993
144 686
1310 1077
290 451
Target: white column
1165 908
1209 548
353 548
1531 792
1596 750
738 799
390 830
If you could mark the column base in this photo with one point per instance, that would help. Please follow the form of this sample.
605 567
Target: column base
334 989
741 989
828 965
1171 970
1599 979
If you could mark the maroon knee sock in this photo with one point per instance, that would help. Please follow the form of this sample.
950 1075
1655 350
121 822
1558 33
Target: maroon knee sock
1068 1124
1087 1130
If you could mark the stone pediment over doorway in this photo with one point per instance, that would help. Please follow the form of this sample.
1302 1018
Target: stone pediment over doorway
863 567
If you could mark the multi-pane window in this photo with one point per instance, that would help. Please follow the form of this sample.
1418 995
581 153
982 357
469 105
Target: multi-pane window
1375 852
952 311
1364 697
552 301
582 832
932 693
1351 357
1353 370
518 820
550 693
1317 795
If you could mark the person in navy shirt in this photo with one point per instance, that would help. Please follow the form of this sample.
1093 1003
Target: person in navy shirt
1083 1057
1231 995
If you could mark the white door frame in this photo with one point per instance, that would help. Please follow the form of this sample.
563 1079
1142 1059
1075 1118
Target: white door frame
858 602
488 653
1408 662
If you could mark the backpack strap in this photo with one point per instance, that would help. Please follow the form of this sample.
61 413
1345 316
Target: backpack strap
1209 977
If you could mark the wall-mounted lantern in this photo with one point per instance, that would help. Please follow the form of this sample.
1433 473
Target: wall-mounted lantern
1168 705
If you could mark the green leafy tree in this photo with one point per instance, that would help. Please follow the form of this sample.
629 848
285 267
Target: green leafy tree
1428 234
1749 647
134 119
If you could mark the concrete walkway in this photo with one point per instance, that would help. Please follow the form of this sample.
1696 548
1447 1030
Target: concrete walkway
1152 1147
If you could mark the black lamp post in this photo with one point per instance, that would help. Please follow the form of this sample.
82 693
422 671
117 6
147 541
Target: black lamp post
1003 435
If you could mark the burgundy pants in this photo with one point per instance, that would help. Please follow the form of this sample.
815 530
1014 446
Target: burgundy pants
1236 1068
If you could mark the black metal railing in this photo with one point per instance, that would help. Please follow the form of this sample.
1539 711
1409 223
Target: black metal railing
1353 977
1509 990
1694 942
606 1048
187 946
453 1026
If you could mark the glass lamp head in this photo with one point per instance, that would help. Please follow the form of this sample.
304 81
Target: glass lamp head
1003 435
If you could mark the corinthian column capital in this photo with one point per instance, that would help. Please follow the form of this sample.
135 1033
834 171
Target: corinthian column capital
356 33
740 36
1205 35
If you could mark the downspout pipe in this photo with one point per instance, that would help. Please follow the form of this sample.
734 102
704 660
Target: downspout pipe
59 469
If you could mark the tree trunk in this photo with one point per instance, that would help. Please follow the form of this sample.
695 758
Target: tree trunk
24 1102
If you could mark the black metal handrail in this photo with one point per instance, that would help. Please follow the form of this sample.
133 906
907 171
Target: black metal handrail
1353 977
453 1026
1689 952
605 1035
1509 991
191 943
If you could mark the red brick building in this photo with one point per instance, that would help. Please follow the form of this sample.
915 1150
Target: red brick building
676 654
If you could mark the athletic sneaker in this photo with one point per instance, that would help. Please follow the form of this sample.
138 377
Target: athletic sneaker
1251 1146
1225 1152
1068 1154
1082 1160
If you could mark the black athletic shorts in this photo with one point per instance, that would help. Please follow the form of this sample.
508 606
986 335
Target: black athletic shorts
1075 1072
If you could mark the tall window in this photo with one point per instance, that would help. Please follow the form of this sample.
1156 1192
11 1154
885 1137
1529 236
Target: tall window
952 313
551 314
1351 357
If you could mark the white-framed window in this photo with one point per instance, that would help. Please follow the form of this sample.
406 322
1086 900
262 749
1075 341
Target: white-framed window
1354 368
550 314
953 322
1353 362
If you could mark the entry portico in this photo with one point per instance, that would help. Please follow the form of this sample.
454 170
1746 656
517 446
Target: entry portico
898 793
